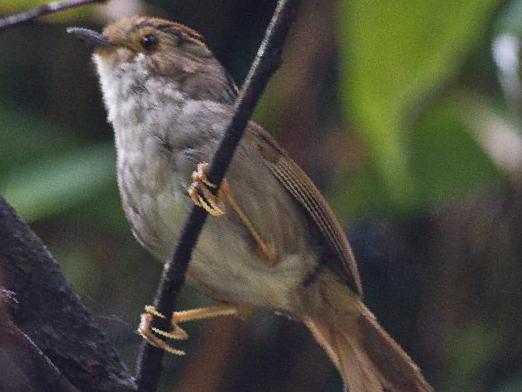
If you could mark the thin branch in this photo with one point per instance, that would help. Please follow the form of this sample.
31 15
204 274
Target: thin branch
267 60
51 8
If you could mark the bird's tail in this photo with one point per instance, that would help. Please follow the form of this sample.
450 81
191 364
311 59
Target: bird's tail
368 359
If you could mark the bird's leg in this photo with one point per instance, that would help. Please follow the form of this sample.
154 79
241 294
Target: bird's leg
178 333
265 250
146 331
202 196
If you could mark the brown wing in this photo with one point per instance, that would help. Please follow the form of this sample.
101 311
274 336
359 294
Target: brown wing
297 183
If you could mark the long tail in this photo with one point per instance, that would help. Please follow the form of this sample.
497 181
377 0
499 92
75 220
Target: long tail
368 359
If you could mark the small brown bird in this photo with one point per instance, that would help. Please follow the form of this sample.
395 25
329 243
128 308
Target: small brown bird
272 240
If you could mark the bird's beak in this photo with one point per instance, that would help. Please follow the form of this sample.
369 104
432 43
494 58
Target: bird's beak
90 37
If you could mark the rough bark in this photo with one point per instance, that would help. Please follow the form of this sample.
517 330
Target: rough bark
46 320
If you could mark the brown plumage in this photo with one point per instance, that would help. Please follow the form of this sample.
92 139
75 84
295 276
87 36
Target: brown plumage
368 359
272 240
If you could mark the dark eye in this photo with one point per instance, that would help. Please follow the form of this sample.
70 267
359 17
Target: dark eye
149 41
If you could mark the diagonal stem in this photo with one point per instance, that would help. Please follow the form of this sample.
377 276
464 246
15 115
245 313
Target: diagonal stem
266 62
51 8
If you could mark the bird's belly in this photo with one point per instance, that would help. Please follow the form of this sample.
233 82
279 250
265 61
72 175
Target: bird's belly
224 265
226 268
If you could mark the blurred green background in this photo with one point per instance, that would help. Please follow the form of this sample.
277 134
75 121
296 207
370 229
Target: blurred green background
406 113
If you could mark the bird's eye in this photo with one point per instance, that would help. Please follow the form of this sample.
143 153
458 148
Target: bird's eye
149 42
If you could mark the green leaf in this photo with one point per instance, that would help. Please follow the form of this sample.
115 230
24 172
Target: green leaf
446 161
14 6
19 5
58 183
394 53
25 139
446 158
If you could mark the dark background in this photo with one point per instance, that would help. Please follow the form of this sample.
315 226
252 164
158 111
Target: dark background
405 113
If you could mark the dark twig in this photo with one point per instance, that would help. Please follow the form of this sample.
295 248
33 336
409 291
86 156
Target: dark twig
51 8
267 60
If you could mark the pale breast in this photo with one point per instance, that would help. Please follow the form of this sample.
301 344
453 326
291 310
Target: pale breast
152 197
160 141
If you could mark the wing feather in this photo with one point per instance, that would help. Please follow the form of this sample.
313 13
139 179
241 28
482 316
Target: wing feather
297 183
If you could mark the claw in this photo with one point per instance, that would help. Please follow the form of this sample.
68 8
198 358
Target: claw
147 332
153 311
200 175
200 193
177 333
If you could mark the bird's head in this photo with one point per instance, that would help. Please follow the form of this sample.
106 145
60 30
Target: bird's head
136 49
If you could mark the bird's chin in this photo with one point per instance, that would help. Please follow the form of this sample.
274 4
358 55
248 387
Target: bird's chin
113 56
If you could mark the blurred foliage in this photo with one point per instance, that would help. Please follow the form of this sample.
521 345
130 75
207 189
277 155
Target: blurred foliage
49 175
18 5
395 55
12 6
394 108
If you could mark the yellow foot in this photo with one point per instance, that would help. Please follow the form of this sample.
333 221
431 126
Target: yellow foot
201 194
147 331
177 333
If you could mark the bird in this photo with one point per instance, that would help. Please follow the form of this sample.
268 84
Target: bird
272 241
